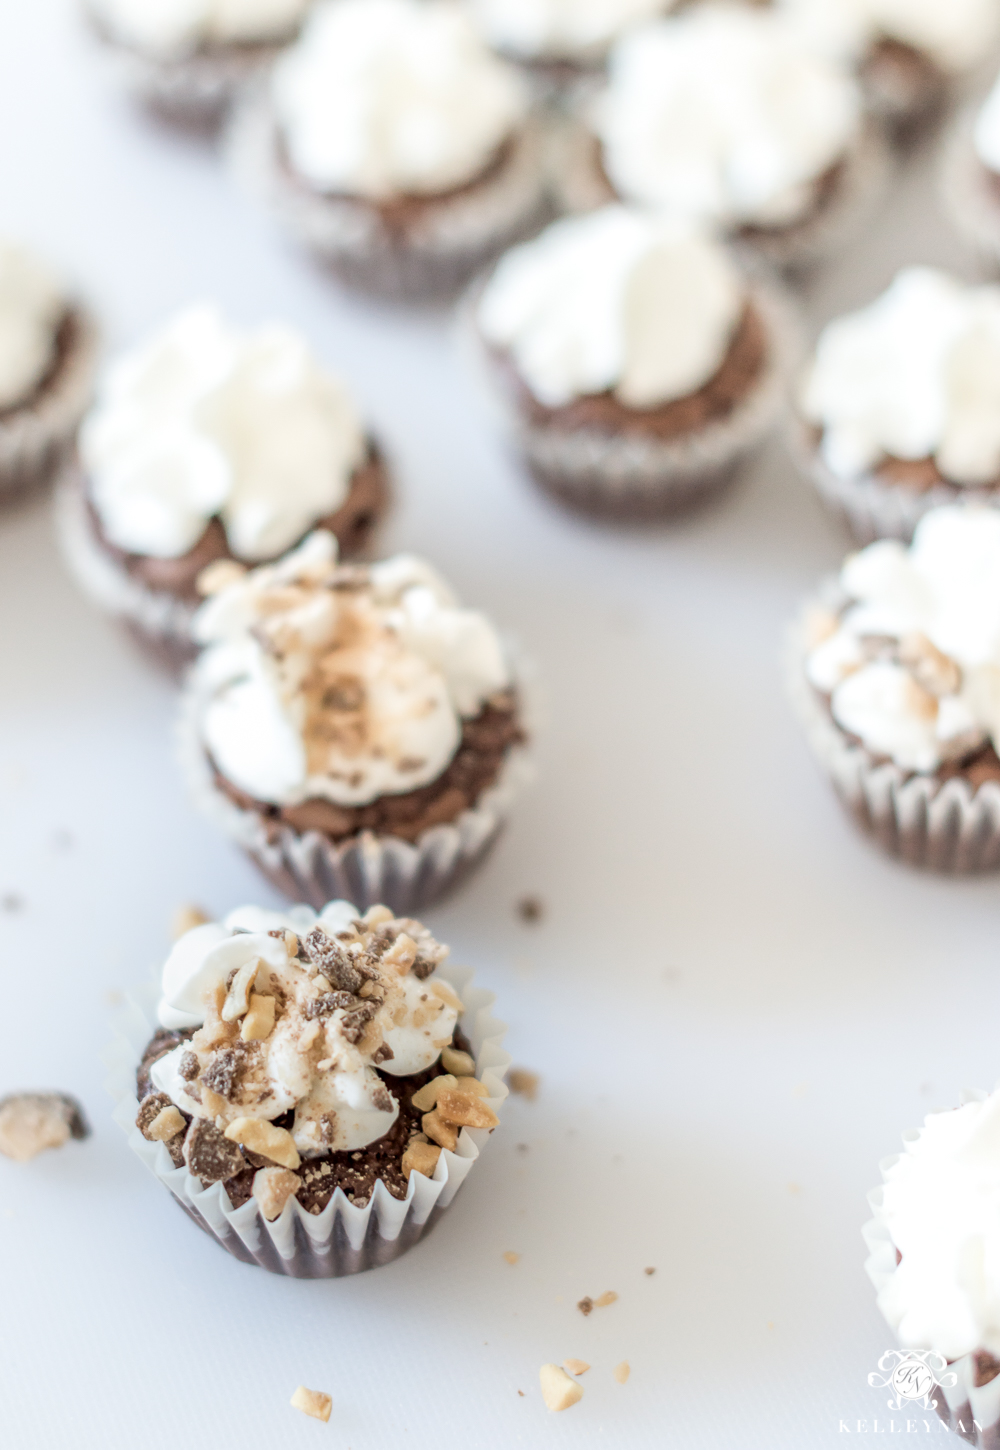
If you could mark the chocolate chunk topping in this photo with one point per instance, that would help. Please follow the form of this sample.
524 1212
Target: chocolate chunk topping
355 1022
383 1053
330 1002
210 1155
149 1110
222 1072
330 958
188 1066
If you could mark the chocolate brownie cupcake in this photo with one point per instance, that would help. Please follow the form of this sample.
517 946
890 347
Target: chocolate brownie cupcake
692 104
316 1088
352 728
209 448
560 40
931 1258
187 59
970 177
895 675
395 146
638 363
900 409
48 347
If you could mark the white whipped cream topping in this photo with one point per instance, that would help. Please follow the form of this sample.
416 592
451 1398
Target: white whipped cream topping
381 98
560 30
203 420
308 1062
723 115
941 1203
172 28
32 304
954 34
986 133
915 375
886 686
344 694
615 300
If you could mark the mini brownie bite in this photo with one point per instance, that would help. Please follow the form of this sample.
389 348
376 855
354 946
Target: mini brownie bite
726 117
207 446
638 363
48 345
934 1258
352 726
896 675
188 58
900 409
396 146
302 1061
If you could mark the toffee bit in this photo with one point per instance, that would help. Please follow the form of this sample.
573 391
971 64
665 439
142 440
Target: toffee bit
222 1071
524 1083
209 1155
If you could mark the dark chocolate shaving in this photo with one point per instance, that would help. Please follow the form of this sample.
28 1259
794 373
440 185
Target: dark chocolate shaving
330 958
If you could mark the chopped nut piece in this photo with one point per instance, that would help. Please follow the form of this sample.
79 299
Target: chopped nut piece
464 1110
426 1097
421 1158
460 1064
576 1366
935 671
558 1390
238 1000
218 576
468 1085
439 1131
585 1305
447 995
375 916
622 1371
312 1402
401 955
166 1125
258 1024
649 1271
264 1138
272 1188
209 1155
32 1122
605 1299
524 1082
291 945
512 1258
152 1105
186 918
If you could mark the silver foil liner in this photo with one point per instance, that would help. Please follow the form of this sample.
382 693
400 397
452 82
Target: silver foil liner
344 1238
580 185
971 193
158 620
366 868
871 507
970 1410
629 475
36 438
941 825
432 258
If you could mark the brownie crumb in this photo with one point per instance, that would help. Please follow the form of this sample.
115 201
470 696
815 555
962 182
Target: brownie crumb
523 1082
649 1271
585 1305
530 909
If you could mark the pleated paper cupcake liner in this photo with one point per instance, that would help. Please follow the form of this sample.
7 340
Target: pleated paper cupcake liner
344 1238
629 475
157 620
940 825
970 1410
580 185
368 868
433 258
36 438
870 507
971 193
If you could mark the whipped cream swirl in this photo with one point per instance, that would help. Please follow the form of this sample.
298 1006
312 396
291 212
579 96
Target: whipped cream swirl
912 664
941 1204
344 995
560 30
618 300
986 132
170 29
954 35
343 684
32 305
915 375
723 115
202 421
381 98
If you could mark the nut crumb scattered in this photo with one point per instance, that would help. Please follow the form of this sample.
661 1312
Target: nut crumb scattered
511 1257
185 919
576 1366
312 1402
649 1271
32 1122
524 1083
558 1390
605 1299
622 1371
585 1305
521 1393
531 909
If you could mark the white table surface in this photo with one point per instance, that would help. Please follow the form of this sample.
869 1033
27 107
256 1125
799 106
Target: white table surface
735 1004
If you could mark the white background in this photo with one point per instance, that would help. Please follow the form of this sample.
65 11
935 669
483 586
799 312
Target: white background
736 1005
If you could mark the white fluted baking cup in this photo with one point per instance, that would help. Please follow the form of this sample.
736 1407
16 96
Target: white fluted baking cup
35 438
158 619
344 1238
941 825
971 1410
632 474
367 868
971 192
580 185
431 258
